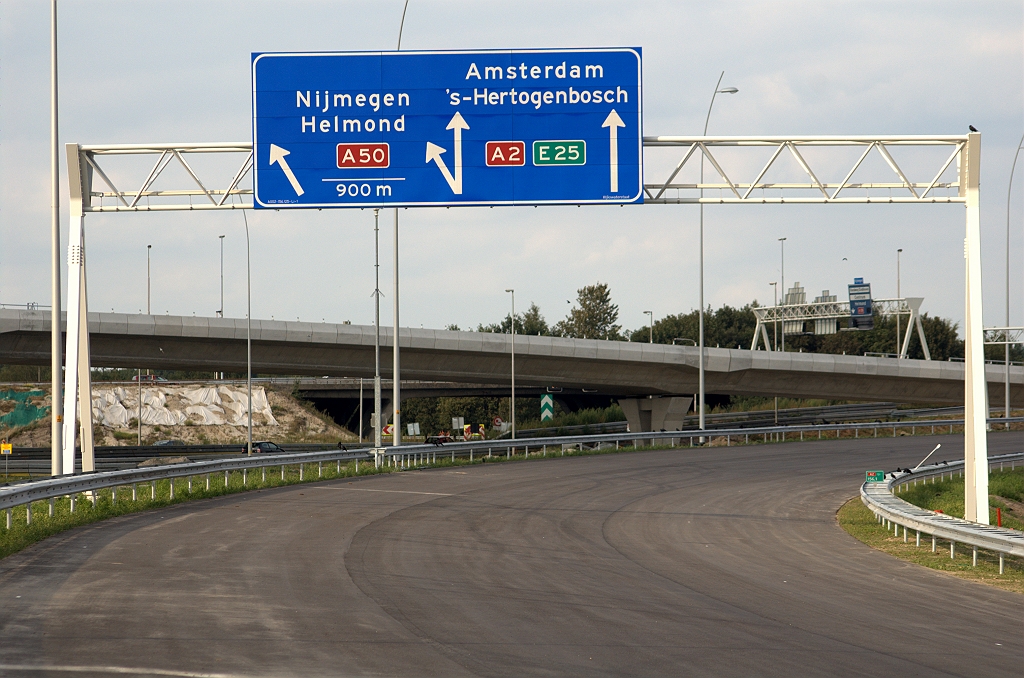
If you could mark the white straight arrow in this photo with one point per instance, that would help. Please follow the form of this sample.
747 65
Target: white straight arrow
458 123
613 122
277 155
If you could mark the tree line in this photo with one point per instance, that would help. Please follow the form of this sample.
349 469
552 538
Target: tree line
595 316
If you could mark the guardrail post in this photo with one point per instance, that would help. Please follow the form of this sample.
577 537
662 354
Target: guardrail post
28 513
904 534
71 498
302 468
153 490
9 516
207 481
876 431
245 479
471 456
338 473
264 469
135 488
1000 563
282 472
933 543
172 488
952 550
320 470
189 485
51 506
974 556
728 440
357 467
453 455
226 478
918 538
856 433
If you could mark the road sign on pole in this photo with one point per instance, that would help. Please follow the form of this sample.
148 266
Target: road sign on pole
547 407
508 127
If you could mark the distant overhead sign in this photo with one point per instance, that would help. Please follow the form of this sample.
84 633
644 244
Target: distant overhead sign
861 312
374 129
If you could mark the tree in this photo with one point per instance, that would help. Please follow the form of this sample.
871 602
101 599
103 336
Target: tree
531 322
593 318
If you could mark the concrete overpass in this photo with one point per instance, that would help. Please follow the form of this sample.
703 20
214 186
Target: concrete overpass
611 368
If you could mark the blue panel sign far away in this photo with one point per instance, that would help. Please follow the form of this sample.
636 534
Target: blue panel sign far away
374 129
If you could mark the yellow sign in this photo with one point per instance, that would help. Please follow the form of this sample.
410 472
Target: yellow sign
6 448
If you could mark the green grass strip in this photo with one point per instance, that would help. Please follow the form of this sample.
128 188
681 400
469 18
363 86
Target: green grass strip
861 523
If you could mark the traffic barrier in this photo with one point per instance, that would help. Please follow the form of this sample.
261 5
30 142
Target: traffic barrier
890 510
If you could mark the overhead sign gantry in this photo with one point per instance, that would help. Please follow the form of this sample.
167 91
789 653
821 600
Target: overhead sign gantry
490 127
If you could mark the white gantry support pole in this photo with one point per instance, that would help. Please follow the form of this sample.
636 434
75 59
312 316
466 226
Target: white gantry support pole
74 331
975 388
79 379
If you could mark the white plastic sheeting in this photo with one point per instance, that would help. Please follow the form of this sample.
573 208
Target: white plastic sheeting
176 405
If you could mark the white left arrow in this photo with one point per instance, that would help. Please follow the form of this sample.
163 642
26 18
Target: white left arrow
458 123
613 122
277 155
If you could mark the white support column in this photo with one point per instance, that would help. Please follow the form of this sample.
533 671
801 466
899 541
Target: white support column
74 331
975 388
920 335
85 371
907 335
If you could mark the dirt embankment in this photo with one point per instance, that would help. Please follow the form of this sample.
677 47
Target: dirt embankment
296 420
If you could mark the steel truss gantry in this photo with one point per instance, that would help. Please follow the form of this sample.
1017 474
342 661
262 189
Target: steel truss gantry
839 310
735 159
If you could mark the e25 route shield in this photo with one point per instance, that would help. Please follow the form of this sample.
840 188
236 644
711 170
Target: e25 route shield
508 127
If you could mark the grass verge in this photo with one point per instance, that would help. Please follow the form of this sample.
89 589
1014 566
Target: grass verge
158 495
860 522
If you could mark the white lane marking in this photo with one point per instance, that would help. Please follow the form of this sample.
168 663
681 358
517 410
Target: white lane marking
363 489
113 669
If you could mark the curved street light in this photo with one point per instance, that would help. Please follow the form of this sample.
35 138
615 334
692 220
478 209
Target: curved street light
718 90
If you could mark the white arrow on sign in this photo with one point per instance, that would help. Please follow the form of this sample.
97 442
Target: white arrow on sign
613 122
277 155
458 123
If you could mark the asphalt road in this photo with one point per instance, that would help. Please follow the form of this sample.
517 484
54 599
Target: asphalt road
707 562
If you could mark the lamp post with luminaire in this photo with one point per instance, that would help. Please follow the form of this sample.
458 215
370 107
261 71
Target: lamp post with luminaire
782 279
650 315
899 349
718 90
512 410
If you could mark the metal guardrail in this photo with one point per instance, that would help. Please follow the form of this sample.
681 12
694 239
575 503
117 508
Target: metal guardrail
894 512
409 456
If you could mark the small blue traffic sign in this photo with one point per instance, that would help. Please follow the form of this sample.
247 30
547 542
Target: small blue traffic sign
374 129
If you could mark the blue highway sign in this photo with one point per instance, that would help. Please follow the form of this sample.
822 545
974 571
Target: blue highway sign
509 127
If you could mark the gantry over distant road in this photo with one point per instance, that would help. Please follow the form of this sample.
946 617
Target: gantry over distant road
608 367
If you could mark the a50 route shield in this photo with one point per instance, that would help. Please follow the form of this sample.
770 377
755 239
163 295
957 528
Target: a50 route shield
499 127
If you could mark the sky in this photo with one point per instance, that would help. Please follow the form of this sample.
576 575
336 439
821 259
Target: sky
155 71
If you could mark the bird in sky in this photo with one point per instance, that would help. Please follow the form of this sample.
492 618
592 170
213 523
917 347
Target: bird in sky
972 128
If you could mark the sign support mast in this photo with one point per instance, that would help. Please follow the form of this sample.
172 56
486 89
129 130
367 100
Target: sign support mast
396 381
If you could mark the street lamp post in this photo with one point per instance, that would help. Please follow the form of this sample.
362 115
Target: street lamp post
775 331
650 315
707 119
1009 188
56 339
149 248
782 279
899 350
220 313
376 337
248 328
512 409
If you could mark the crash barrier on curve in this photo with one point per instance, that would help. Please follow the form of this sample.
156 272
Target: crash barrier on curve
881 499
